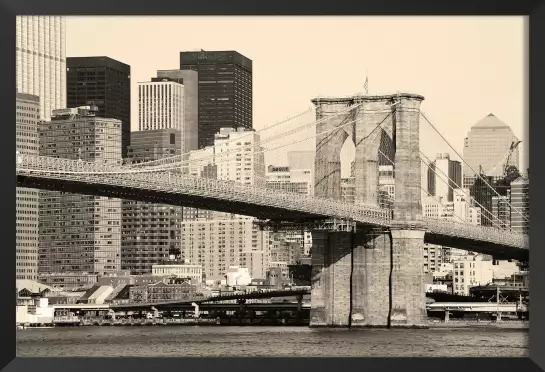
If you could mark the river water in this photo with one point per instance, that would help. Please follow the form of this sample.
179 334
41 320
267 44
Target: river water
179 341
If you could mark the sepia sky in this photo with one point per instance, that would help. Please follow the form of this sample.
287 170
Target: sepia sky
465 67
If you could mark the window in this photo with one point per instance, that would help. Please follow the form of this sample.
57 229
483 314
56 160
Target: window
172 139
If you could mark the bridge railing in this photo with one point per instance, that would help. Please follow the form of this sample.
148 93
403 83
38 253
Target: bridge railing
173 182
176 183
477 232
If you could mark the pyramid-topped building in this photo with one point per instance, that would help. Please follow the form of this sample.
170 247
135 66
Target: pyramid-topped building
486 148
490 121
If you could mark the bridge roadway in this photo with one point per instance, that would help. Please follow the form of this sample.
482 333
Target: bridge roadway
176 189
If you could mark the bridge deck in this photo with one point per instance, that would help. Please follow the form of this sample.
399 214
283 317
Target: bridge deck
177 189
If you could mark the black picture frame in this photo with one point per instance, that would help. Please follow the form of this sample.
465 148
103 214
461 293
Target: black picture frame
535 10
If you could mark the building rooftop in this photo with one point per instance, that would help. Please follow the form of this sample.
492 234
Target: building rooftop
520 181
177 262
96 61
489 122
31 285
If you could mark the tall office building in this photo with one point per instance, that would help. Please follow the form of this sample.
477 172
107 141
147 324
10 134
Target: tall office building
80 233
150 232
444 175
520 201
236 155
225 91
220 243
461 209
220 239
26 235
486 148
190 80
161 105
41 60
107 84
501 211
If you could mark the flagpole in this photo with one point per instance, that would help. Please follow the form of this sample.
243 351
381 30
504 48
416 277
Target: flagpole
366 85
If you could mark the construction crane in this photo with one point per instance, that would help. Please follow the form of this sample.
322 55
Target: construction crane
505 159
512 148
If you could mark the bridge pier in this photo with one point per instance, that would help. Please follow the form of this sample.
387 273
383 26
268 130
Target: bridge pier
408 293
331 263
374 277
368 279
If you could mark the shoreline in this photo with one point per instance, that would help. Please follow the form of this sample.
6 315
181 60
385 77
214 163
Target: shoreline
515 325
471 324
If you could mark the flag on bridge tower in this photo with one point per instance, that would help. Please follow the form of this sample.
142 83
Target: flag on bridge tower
366 85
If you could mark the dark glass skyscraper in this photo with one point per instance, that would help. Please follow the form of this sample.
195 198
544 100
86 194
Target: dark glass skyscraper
107 83
225 91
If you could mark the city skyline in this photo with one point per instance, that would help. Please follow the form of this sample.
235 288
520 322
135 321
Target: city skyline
350 217
493 85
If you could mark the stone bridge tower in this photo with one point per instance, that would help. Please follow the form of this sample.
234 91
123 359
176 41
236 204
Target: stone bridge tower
373 276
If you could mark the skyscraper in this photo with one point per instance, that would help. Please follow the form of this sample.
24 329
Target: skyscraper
161 105
190 80
225 91
501 212
41 60
218 240
150 232
486 149
106 83
444 175
520 200
80 233
26 241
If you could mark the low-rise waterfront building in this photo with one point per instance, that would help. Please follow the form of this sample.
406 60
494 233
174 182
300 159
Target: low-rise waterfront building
478 270
178 269
175 290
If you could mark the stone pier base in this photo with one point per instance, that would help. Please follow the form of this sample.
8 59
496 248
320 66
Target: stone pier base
368 278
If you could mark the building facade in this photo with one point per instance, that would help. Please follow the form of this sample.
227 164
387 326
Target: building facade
217 244
27 232
235 156
475 270
433 257
297 177
486 148
386 186
520 202
225 91
298 181
178 270
150 232
501 211
444 175
41 60
218 240
161 292
461 209
80 233
190 80
161 105
106 83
